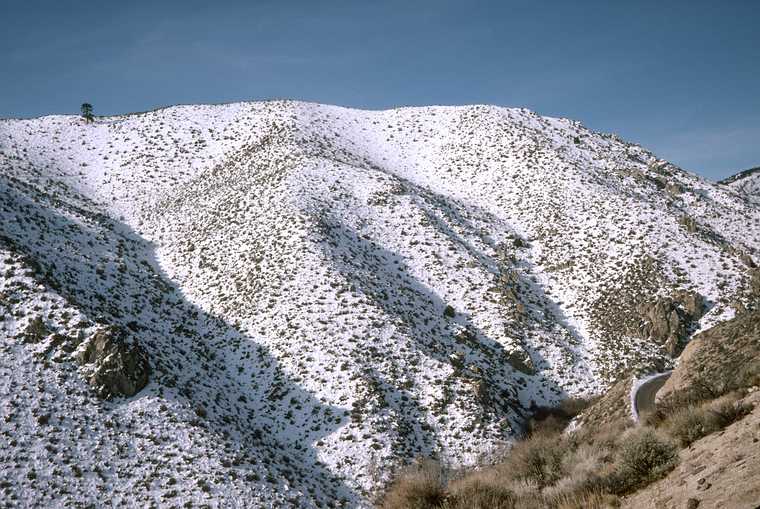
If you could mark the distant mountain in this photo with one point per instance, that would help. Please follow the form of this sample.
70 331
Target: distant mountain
317 295
747 182
752 172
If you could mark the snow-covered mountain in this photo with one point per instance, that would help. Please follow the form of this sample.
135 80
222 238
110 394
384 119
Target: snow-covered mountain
323 294
746 182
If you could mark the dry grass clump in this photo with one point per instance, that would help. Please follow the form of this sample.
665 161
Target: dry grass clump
747 375
643 457
480 492
691 423
537 460
488 490
419 487
585 499
729 409
698 392
589 468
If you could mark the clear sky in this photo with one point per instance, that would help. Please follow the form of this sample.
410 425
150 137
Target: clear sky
680 77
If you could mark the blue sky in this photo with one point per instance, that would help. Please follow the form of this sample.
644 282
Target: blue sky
680 77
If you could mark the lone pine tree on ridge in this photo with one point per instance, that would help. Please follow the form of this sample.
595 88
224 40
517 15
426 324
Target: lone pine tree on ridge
86 109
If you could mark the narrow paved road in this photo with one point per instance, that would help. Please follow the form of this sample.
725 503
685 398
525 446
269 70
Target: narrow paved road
643 399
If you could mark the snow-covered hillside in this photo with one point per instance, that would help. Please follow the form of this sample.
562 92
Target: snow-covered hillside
324 294
746 182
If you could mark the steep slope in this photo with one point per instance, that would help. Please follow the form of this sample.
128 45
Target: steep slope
746 182
198 432
353 288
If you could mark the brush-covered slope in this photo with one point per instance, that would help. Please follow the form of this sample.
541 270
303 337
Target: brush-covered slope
324 293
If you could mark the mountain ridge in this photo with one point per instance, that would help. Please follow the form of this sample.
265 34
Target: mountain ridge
419 278
746 182
740 175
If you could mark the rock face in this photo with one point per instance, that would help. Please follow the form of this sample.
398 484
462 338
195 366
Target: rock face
663 322
116 366
691 302
667 320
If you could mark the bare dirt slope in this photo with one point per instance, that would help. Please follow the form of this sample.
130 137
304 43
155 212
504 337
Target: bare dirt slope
721 469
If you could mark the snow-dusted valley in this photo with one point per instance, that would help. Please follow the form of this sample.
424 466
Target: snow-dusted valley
317 295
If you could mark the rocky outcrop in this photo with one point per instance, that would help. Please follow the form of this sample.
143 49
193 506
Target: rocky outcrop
115 365
663 322
727 351
507 287
516 355
520 360
691 302
667 320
